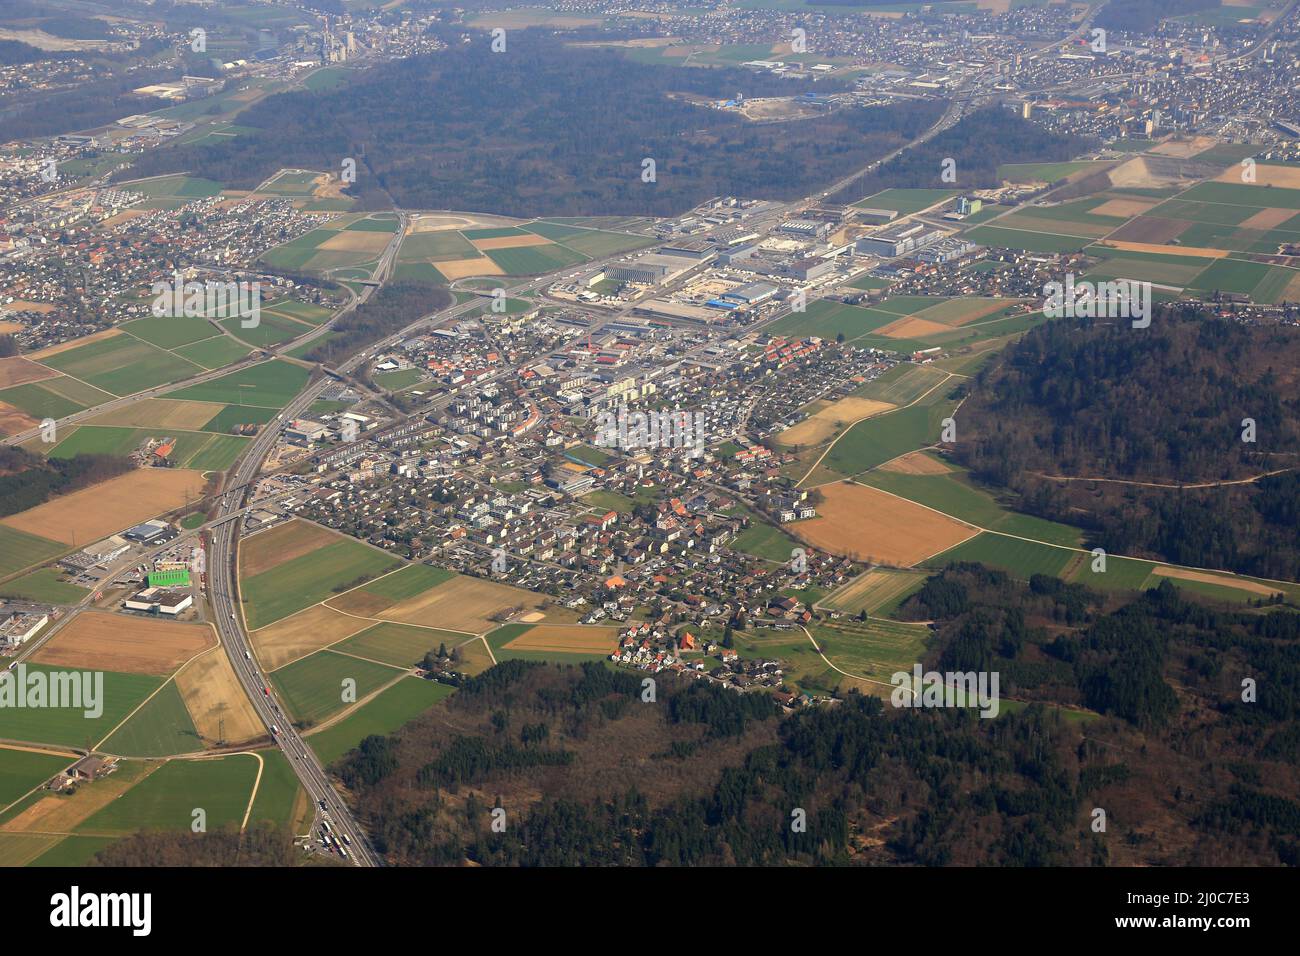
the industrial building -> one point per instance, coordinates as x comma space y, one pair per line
899, 240
155, 600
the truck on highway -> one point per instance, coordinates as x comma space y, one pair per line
274, 730
247, 656
232, 615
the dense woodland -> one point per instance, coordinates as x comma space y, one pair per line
260, 845
1143, 16
396, 305
27, 480
1084, 398
978, 144
546, 129
590, 774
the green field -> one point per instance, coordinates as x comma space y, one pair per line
39, 401
161, 728
888, 589
906, 201
279, 793
23, 770
122, 364
408, 582
178, 186
215, 352
1040, 172
69, 725
877, 440
271, 329
72, 850
902, 384
1263, 283
271, 385
874, 649
439, 246
954, 495
828, 319
168, 797
43, 586
169, 332
312, 687
231, 415
1021, 559
309, 579
763, 540
1022, 239
388, 711
19, 550
534, 260
596, 244
401, 645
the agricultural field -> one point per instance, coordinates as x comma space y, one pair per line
70, 725
281, 799
950, 491
304, 633
19, 549
902, 384
313, 687
828, 421
160, 728
215, 701
878, 592
96, 640
1019, 558
167, 798
120, 364
875, 441
384, 713
383, 593
354, 246
907, 201
400, 645
269, 385
553, 642
309, 579
108, 507
860, 522
45, 586
463, 603
22, 770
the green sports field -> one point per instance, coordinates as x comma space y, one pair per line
310, 579
312, 687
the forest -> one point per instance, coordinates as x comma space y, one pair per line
27, 480
396, 305
552, 130
588, 773
1143, 16
978, 144
1158, 411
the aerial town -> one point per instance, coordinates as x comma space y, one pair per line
749, 399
